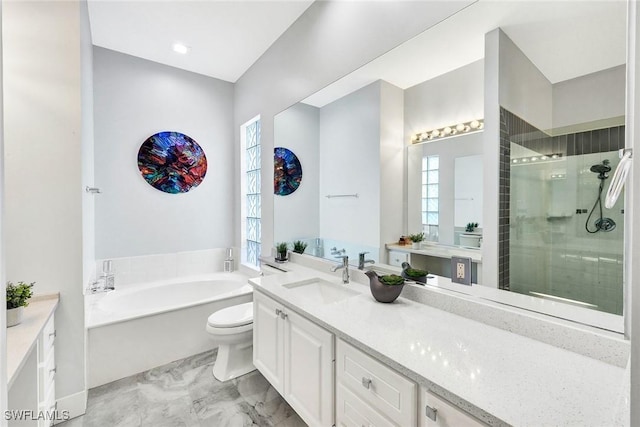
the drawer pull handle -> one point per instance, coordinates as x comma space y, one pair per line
366, 382
53, 371
431, 413
278, 312
284, 315
52, 334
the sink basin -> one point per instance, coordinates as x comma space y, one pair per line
321, 291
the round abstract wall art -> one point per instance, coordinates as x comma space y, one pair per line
287, 171
172, 162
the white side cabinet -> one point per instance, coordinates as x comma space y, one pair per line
297, 357
436, 412
47, 371
370, 393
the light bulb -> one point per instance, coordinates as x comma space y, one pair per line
435, 133
474, 124
460, 127
447, 130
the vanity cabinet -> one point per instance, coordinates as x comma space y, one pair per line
437, 412
369, 393
297, 357
47, 371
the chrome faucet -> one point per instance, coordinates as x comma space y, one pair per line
362, 262
338, 252
345, 268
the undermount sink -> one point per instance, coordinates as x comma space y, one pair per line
321, 291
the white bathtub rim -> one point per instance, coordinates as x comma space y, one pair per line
95, 317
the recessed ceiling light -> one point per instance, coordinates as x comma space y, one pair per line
180, 48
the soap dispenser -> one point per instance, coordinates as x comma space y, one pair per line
228, 262
108, 275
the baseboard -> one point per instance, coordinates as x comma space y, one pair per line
74, 404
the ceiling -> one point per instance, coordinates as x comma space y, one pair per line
564, 39
225, 37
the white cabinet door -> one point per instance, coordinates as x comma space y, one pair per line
308, 364
437, 412
268, 343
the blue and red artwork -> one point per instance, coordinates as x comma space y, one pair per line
172, 162
287, 172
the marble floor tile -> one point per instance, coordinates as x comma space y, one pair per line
184, 393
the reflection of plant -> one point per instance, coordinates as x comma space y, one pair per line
471, 227
414, 273
281, 249
392, 280
416, 238
18, 295
299, 246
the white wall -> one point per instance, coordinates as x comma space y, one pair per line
3, 316
296, 216
455, 97
589, 98
392, 159
350, 164
330, 40
524, 90
43, 218
134, 99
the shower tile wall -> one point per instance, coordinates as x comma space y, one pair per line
549, 249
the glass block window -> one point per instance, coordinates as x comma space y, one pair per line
250, 185
430, 192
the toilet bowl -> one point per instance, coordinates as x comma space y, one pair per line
232, 329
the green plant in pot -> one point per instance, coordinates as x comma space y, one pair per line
281, 252
471, 227
416, 239
17, 299
385, 288
299, 246
414, 274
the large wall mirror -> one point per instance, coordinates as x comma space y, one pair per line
561, 86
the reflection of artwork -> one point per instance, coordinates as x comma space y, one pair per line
172, 162
287, 172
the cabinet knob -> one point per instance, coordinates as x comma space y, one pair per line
283, 315
431, 413
366, 382
278, 312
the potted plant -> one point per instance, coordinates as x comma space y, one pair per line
299, 246
281, 252
385, 288
414, 274
416, 239
17, 299
471, 227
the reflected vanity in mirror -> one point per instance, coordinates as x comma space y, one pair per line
561, 104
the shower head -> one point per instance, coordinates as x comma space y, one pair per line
601, 169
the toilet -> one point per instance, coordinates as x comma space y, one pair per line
232, 329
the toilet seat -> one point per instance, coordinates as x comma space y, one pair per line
232, 317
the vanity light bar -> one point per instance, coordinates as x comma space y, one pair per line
448, 131
539, 158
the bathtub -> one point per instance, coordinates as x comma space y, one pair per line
142, 326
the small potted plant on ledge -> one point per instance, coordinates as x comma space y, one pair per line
17, 299
281, 252
416, 239
471, 227
299, 246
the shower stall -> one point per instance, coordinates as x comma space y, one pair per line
559, 242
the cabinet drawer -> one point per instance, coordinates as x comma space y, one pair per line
396, 258
437, 412
351, 411
393, 395
48, 407
46, 340
46, 377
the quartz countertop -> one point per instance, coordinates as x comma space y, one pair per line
498, 376
21, 339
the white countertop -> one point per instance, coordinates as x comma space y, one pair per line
439, 251
21, 338
518, 380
